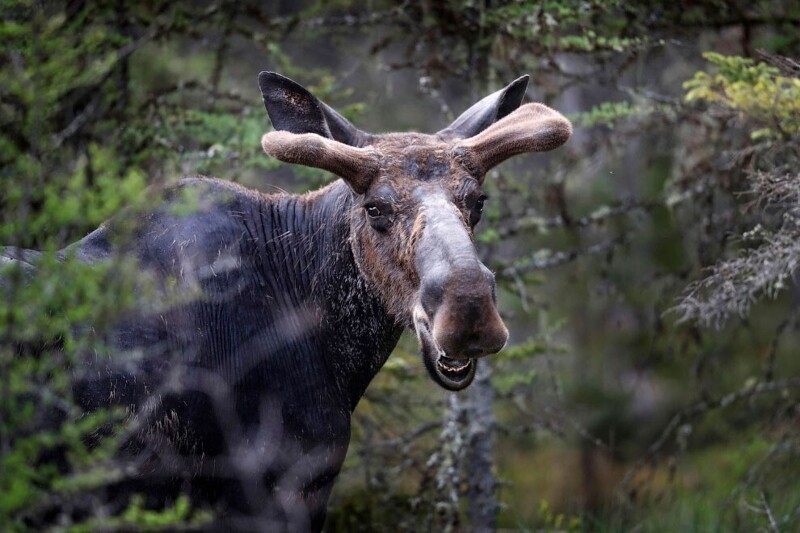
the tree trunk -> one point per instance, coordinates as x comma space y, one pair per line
481, 482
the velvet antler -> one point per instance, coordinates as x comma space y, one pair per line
531, 128
357, 166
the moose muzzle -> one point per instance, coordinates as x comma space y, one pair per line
456, 316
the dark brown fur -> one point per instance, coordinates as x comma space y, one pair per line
409, 161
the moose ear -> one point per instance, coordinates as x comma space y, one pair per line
292, 108
531, 128
487, 111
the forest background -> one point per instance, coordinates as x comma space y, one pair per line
646, 269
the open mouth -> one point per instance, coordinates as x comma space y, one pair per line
455, 369
452, 373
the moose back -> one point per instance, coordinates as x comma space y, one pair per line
288, 305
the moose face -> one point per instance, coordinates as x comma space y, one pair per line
419, 198
412, 235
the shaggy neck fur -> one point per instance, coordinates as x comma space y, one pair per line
261, 362
307, 240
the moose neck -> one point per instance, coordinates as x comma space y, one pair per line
354, 334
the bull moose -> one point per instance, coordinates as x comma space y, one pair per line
290, 304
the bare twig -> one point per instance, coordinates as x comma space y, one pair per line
622, 207
122, 54
404, 439
787, 65
773, 524
701, 408
559, 258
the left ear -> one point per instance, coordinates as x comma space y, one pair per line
487, 111
531, 128
291, 107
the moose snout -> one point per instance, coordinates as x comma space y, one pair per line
464, 318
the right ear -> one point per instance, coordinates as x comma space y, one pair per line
487, 111
292, 108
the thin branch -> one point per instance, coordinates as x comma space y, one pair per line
769, 370
599, 216
773, 524
701, 408
560, 258
404, 439
76, 124
121, 55
787, 65
553, 424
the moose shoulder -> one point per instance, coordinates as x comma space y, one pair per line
289, 305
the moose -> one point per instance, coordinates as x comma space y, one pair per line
289, 305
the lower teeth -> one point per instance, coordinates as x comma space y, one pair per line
454, 367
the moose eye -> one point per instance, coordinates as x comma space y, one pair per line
477, 210
379, 215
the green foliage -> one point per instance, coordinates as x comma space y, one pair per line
607, 113
554, 521
766, 100
568, 26
76, 148
27, 483
767, 105
137, 518
363, 510
488, 236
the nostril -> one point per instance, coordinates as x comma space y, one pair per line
431, 295
473, 351
499, 345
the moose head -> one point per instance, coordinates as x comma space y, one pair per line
418, 198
